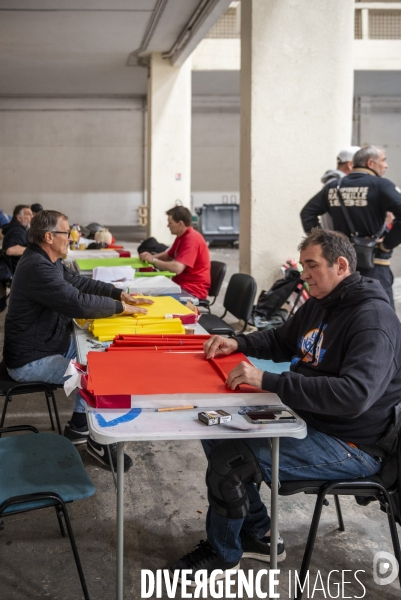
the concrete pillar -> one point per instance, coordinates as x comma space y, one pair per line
169, 142
296, 114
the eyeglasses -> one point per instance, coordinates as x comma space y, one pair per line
67, 233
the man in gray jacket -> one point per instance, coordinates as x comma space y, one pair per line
45, 297
344, 167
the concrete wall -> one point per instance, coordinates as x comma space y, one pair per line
86, 158
378, 121
215, 158
83, 157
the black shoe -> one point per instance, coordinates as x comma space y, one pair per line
203, 557
101, 453
76, 435
260, 549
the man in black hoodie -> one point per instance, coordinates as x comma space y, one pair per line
344, 345
16, 235
368, 197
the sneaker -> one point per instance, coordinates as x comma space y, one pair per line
203, 557
260, 549
76, 435
101, 453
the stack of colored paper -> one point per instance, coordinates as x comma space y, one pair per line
105, 331
156, 321
158, 343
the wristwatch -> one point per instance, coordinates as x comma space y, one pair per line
154, 260
124, 306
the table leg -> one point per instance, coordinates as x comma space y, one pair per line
274, 503
120, 520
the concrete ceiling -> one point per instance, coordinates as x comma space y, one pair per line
94, 47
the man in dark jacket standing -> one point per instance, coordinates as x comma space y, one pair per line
16, 235
344, 345
367, 197
45, 297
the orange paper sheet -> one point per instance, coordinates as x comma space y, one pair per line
136, 373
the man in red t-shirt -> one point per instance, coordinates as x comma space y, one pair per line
188, 257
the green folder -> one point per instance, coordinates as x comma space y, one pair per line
88, 264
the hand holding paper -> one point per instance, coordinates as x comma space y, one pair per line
219, 346
133, 310
146, 256
135, 300
245, 373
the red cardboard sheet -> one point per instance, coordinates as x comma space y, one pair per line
158, 343
136, 373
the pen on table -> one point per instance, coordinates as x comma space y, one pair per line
175, 408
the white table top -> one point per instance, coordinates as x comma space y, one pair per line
108, 426
74, 254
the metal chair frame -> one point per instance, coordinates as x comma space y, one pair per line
217, 273
231, 305
59, 505
365, 487
10, 388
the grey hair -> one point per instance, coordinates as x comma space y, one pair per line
46, 220
333, 243
18, 210
365, 154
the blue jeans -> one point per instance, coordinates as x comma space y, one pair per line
318, 456
50, 369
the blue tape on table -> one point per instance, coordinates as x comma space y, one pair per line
269, 365
129, 416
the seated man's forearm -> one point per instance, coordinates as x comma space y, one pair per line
173, 266
15, 250
163, 256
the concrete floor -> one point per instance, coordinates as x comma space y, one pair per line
165, 509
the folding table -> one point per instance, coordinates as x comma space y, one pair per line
108, 426
134, 425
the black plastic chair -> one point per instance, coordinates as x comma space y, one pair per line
217, 274
371, 487
42, 470
238, 300
10, 388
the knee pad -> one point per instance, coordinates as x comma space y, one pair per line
231, 464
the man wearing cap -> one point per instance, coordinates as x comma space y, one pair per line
368, 197
344, 167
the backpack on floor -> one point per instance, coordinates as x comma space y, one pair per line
268, 311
